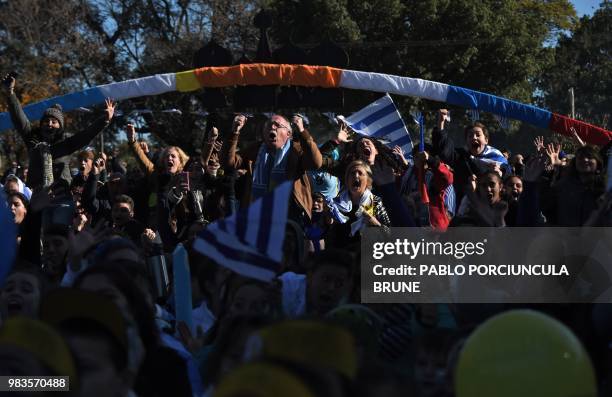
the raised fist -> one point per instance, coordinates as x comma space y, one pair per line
131, 133
239, 122
8, 84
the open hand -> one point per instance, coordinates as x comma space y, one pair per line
538, 142
110, 109
343, 133
400, 153
552, 151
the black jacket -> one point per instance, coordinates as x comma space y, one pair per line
458, 159
60, 149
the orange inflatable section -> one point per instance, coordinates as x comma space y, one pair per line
269, 74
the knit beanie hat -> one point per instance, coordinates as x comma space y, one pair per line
55, 111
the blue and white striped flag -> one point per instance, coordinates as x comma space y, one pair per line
491, 155
250, 242
381, 119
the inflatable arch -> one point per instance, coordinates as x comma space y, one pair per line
318, 76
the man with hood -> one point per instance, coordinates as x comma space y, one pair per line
48, 150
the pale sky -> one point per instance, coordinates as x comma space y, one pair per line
586, 6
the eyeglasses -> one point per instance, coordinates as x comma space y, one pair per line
276, 124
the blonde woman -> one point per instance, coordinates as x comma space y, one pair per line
165, 184
356, 207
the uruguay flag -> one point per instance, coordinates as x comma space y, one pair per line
250, 242
491, 155
381, 119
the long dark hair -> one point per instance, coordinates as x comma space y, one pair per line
385, 155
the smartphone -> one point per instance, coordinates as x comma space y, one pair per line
184, 179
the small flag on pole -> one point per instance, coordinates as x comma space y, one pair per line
250, 242
381, 119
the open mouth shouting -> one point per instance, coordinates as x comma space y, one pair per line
475, 146
14, 305
357, 184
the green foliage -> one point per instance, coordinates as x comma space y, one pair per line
583, 61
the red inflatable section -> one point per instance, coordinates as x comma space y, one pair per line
589, 133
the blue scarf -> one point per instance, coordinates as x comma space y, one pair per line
270, 170
342, 204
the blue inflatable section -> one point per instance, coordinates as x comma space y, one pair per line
89, 97
504, 107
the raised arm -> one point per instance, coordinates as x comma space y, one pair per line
529, 200
231, 159
20, 120
141, 156
77, 141
443, 145
210, 145
311, 157
330, 164
443, 176
89, 197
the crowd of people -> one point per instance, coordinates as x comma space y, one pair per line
90, 293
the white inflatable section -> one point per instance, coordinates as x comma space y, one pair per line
151, 85
394, 85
